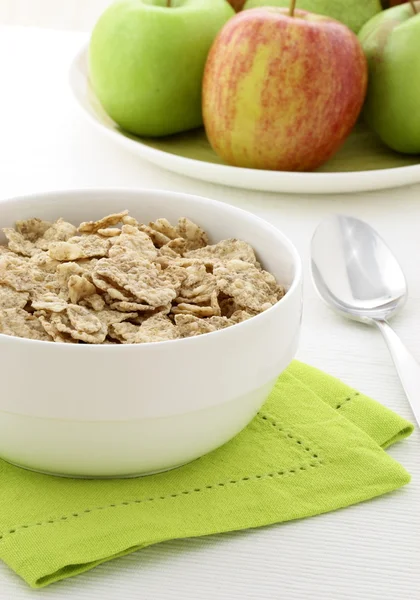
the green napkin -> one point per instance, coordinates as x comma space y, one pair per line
315, 446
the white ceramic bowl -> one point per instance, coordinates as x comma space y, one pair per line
114, 411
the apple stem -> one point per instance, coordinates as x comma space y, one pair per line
292, 8
168, 3
413, 7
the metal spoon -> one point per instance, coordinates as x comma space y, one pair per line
356, 273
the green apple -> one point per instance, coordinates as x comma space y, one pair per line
353, 13
391, 42
147, 58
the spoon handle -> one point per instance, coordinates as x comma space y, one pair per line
407, 367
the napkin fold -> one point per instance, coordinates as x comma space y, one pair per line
315, 446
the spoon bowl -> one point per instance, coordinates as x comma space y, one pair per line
354, 270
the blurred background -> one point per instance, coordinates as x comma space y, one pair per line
78, 15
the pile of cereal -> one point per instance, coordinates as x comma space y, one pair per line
117, 281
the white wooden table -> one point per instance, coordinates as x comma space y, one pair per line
366, 552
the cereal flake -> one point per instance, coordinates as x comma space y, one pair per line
248, 286
190, 325
225, 251
10, 298
157, 328
108, 221
19, 323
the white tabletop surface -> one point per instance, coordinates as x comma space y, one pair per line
366, 552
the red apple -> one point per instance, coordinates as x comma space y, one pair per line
282, 91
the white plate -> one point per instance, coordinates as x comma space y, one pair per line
363, 163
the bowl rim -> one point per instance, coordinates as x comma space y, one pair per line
61, 194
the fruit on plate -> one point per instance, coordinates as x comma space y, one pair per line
391, 41
282, 89
353, 13
237, 4
146, 60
